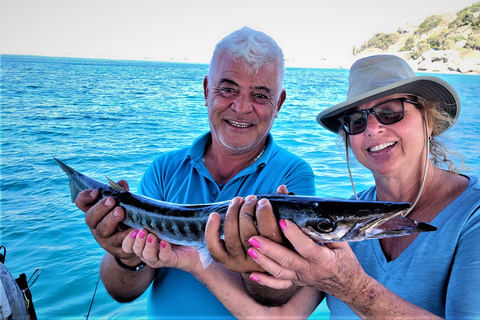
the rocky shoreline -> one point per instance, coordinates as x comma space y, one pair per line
439, 61
447, 61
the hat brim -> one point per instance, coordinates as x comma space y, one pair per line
427, 87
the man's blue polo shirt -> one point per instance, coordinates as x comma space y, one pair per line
181, 177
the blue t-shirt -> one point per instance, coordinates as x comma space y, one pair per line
439, 271
181, 177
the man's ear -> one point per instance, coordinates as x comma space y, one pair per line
281, 100
205, 89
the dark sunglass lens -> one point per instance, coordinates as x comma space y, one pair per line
390, 112
357, 122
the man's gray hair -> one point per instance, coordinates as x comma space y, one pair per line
251, 47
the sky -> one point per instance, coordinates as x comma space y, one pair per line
187, 30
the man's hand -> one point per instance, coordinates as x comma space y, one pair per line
231, 252
104, 219
243, 220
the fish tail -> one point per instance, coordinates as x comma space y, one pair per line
74, 191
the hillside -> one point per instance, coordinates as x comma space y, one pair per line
441, 43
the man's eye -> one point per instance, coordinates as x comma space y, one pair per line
260, 96
228, 91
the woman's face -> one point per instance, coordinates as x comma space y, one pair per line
391, 149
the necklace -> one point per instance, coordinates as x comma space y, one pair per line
256, 157
249, 163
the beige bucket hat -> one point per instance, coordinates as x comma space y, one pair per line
378, 76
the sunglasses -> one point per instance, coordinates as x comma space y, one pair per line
387, 112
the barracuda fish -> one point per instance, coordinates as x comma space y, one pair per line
322, 219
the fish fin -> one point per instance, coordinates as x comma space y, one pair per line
115, 185
205, 256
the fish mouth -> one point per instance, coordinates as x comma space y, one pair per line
390, 225
402, 225
238, 124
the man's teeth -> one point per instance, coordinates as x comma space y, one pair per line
382, 146
239, 124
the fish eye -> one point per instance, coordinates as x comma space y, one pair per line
324, 224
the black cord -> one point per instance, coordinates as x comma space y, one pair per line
93, 298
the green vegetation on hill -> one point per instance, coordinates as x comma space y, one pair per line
467, 16
428, 24
455, 31
381, 41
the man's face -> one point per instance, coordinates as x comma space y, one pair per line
242, 106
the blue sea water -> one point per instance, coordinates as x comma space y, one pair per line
112, 118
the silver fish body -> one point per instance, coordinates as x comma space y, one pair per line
322, 219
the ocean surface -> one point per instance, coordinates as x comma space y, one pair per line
112, 118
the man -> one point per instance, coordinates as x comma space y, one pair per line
244, 94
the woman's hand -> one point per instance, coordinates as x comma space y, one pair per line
331, 268
160, 253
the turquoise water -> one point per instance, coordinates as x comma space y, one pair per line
112, 118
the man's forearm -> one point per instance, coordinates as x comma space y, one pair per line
267, 296
124, 285
230, 290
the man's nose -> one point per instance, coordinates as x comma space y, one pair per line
242, 104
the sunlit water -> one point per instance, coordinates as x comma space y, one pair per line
112, 118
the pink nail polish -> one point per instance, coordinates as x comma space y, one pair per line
149, 239
134, 234
163, 244
254, 278
141, 234
283, 224
254, 243
252, 254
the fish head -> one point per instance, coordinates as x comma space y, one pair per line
352, 220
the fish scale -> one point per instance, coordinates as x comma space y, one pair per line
322, 219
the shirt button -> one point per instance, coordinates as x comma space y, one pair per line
214, 191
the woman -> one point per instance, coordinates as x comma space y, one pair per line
391, 121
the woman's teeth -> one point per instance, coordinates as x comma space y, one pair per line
381, 146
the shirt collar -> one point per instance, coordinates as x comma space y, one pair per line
197, 149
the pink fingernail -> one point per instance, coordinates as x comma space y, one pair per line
254, 243
163, 244
252, 254
149, 239
141, 234
115, 213
254, 278
283, 224
134, 234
